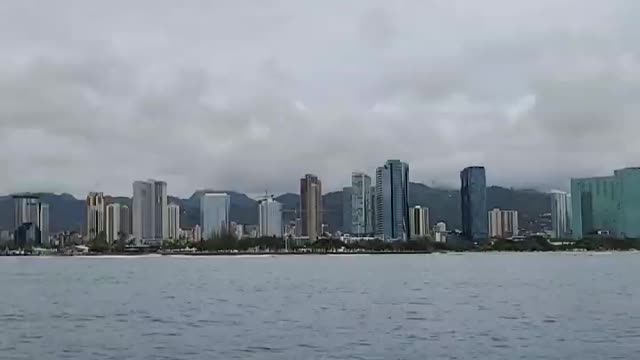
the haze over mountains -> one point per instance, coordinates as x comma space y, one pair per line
68, 213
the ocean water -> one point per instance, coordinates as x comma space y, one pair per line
468, 306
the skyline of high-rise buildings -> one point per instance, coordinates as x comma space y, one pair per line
214, 214
392, 200
473, 203
311, 206
150, 217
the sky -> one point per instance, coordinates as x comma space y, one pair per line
250, 95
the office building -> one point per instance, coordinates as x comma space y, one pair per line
214, 214
95, 215
473, 195
392, 200
174, 221
347, 196
607, 205
125, 220
269, 218
361, 204
150, 214
418, 222
31, 221
311, 206
112, 223
560, 210
503, 224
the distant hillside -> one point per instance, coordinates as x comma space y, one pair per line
68, 213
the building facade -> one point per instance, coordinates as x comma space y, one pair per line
419, 222
174, 221
214, 214
269, 218
31, 221
112, 223
607, 205
473, 196
125, 220
503, 224
150, 214
560, 214
392, 200
361, 204
95, 215
311, 206
347, 197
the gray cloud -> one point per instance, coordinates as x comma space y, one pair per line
250, 95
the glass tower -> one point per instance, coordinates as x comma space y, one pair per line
392, 200
473, 195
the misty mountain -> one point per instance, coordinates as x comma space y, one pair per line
68, 213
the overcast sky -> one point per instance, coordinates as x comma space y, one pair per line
250, 95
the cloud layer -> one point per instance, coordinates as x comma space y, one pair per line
250, 95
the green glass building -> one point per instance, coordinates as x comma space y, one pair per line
609, 204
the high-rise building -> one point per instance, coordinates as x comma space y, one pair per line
174, 221
269, 218
311, 206
113, 224
31, 221
392, 200
473, 195
125, 220
214, 214
560, 205
43, 224
361, 204
607, 205
196, 233
347, 196
503, 224
95, 215
150, 214
419, 222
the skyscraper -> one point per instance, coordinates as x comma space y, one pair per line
31, 221
150, 212
125, 220
560, 206
503, 224
419, 222
347, 197
214, 214
361, 204
269, 218
608, 204
174, 221
473, 195
392, 200
112, 221
95, 215
311, 206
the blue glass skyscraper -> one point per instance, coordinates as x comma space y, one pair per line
473, 195
392, 200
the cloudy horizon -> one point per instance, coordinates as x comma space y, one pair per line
251, 95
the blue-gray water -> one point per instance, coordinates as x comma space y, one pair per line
471, 306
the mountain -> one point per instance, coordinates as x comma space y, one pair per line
68, 213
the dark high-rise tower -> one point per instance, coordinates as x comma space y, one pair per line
311, 206
392, 200
473, 195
